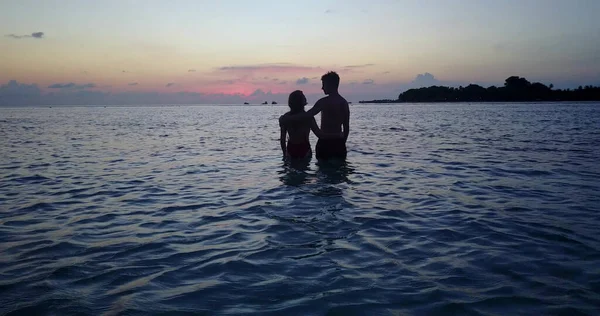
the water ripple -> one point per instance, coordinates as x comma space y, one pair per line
480, 209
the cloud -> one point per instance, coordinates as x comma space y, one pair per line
268, 68
275, 79
224, 89
314, 78
17, 94
359, 66
170, 84
191, 70
329, 11
302, 80
71, 85
61, 85
14, 93
227, 81
427, 80
261, 93
385, 72
356, 68
14, 88
424, 80
37, 35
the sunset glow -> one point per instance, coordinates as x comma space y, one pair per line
237, 50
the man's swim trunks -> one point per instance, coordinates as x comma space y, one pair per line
331, 148
301, 150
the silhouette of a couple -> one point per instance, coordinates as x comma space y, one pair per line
297, 123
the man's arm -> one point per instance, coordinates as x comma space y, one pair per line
346, 122
316, 109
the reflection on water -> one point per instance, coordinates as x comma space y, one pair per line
324, 174
334, 172
296, 172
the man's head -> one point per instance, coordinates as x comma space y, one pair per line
331, 82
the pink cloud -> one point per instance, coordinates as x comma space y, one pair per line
238, 82
274, 77
246, 79
15, 93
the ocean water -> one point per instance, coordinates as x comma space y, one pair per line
471, 209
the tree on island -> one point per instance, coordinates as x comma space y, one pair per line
515, 89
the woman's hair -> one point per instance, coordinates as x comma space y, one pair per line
296, 101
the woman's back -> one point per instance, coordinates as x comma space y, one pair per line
298, 132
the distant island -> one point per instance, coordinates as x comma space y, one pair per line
264, 103
515, 89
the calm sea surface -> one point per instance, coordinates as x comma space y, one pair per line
477, 209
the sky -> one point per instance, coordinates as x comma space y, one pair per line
228, 51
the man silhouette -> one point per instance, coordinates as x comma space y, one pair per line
335, 119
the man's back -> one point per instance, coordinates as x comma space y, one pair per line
335, 112
335, 117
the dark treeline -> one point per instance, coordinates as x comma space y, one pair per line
515, 89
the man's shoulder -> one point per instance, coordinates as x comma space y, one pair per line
341, 99
334, 99
323, 100
346, 104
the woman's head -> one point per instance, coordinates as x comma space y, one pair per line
297, 101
